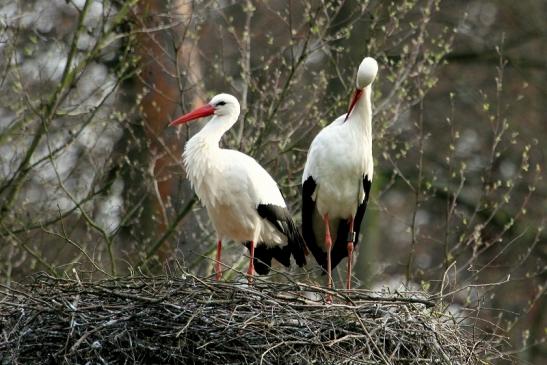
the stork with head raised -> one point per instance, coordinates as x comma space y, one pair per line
337, 179
241, 198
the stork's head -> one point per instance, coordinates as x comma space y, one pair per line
220, 105
365, 76
367, 72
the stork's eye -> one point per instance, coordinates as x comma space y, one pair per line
220, 103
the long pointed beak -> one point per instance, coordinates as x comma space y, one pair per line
200, 112
356, 97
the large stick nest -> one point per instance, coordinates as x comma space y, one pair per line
191, 320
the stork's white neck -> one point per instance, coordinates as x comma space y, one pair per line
213, 131
361, 115
202, 151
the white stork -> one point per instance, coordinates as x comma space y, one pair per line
242, 199
337, 179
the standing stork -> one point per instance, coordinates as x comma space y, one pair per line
241, 198
337, 179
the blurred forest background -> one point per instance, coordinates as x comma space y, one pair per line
91, 181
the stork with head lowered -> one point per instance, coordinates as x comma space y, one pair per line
337, 179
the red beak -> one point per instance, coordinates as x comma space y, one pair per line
356, 97
200, 112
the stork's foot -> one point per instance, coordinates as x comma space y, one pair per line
350, 263
250, 272
218, 270
351, 238
328, 246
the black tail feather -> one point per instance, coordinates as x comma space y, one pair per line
264, 254
262, 260
296, 243
308, 209
339, 248
281, 219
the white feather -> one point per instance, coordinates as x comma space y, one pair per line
341, 154
231, 184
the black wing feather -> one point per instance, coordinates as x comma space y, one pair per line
308, 209
281, 219
339, 249
263, 256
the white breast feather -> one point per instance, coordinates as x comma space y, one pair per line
231, 185
337, 160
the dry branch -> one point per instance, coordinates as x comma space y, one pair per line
186, 319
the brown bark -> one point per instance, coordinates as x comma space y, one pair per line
159, 51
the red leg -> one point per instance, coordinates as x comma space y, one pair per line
351, 239
328, 246
218, 271
251, 264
